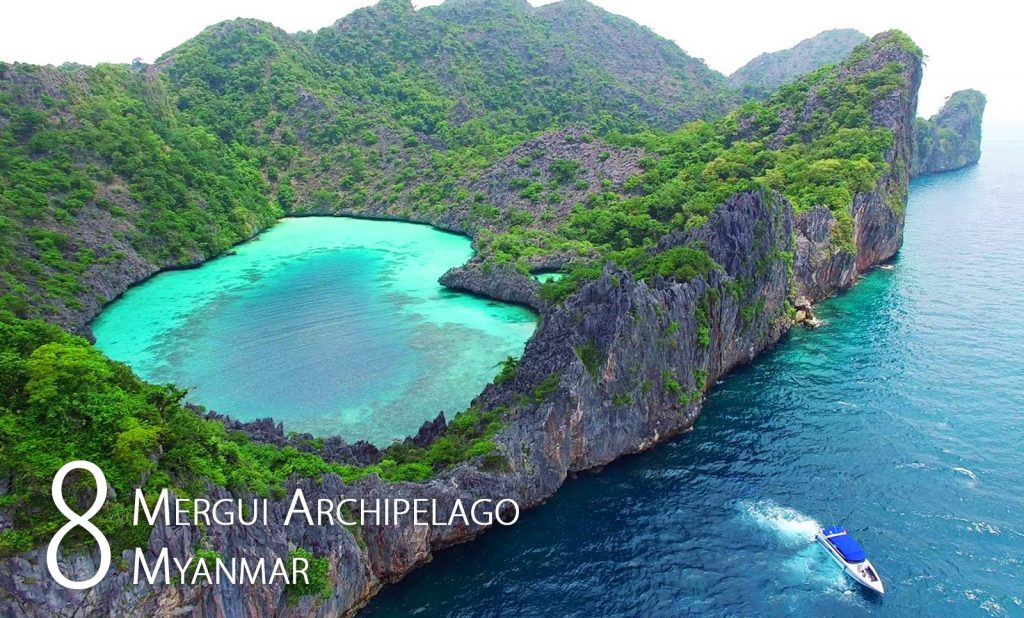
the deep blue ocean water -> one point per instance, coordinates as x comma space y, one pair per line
902, 418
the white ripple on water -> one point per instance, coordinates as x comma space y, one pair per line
793, 529
788, 525
985, 528
810, 565
914, 465
966, 472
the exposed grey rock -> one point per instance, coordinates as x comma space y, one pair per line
821, 269
428, 432
505, 284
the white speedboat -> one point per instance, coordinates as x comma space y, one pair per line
850, 555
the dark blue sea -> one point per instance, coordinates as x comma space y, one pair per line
902, 418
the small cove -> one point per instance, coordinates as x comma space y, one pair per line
331, 325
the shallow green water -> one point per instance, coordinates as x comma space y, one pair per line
331, 325
545, 277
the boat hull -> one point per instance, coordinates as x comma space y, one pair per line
864, 573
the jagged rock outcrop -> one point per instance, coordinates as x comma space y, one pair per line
428, 432
772, 69
332, 448
501, 283
824, 264
950, 139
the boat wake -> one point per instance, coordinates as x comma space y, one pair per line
806, 563
788, 526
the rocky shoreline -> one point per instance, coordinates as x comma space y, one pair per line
624, 365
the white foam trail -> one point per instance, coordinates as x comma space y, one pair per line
788, 525
808, 564
811, 565
966, 472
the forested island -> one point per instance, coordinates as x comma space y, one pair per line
951, 139
693, 222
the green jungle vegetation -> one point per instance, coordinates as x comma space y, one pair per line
942, 138
823, 160
389, 107
177, 161
113, 149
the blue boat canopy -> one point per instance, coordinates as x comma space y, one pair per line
848, 548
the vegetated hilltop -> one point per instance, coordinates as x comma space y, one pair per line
689, 260
110, 173
390, 108
818, 141
103, 181
950, 139
770, 70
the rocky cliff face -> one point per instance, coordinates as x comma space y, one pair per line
617, 368
824, 266
950, 139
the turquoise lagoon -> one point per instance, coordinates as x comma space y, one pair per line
330, 325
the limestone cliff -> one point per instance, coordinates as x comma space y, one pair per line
823, 266
950, 139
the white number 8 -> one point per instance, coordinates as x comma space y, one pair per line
75, 520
